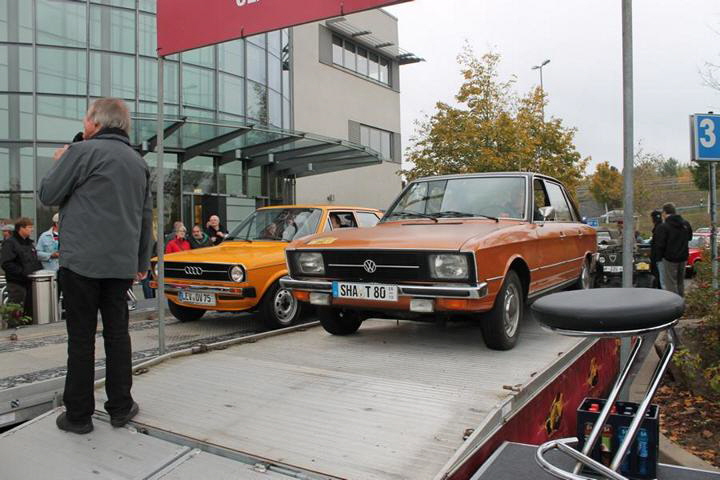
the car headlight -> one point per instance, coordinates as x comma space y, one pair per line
448, 266
601, 259
237, 274
311, 263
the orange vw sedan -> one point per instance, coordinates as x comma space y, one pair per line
242, 273
480, 245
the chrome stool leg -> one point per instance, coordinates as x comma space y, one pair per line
583, 458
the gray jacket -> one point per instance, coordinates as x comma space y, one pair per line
102, 187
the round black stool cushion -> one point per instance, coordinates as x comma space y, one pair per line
609, 309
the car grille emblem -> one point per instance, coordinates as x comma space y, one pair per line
190, 270
369, 266
613, 257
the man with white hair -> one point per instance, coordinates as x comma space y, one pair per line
47, 246
102, 187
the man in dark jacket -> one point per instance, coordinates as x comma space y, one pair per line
199, 239
656, 217
102, 187
19, 259
671, 240
215, 230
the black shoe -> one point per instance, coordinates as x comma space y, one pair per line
121, 420
63, 423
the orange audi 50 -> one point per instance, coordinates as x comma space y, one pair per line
242, 272
462, 244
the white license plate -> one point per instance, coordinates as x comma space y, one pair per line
365, 291
196, 298
614, 268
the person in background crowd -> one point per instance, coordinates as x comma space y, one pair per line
656, 217
7, 228
215, 230
19, 259
169, 236
179, 243
672, 238
199, 239
48, 246
102, 187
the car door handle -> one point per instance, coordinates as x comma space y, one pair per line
562, 234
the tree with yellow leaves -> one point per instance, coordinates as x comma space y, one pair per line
606, 186
493, 130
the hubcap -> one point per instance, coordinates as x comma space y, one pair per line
284, 306
511, 310
585, 276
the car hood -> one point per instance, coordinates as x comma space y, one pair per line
250, 255
450, 234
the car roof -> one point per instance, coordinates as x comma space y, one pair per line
324, 207
530, 175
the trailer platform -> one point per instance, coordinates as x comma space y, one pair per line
401, 400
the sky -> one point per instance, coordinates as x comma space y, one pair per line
672, 40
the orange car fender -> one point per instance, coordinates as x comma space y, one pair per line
266, 277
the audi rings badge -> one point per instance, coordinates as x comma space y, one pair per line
191, 270
369, 266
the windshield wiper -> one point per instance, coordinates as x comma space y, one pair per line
231, 239
454, 213
415, 214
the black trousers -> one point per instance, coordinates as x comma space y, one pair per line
83, 298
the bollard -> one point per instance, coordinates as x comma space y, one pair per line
45, 297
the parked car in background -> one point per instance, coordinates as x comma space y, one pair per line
699, 242
478, 245
606, 237
610, 266
242, 272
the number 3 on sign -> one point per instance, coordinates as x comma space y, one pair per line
708, 138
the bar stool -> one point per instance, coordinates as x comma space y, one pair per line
609, 312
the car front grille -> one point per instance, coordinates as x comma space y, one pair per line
198, 271
389, 266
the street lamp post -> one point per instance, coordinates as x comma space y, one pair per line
540, 67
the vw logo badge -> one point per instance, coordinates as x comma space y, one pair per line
369, 266
190, 270
613, 257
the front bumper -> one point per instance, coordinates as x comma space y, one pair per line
473, 292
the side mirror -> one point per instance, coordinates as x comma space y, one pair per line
546, 212
584, 220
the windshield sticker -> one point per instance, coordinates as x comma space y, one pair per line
322, 241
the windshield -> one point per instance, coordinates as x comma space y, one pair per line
697, 242
490, 197
280, 224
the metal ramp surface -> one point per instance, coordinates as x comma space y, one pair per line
390, 402
40, 450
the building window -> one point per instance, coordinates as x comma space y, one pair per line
358, 59
378, 140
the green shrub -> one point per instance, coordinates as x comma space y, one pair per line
699, 359
13, 315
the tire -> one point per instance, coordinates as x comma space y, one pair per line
501, 325
339, 322
586, 280
278, 308
185, 314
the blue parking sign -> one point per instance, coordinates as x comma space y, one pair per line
705, 137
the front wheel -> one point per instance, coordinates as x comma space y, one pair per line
339, 322
279, 309
185, 314
501, 324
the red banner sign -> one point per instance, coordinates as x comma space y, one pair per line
187, 24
